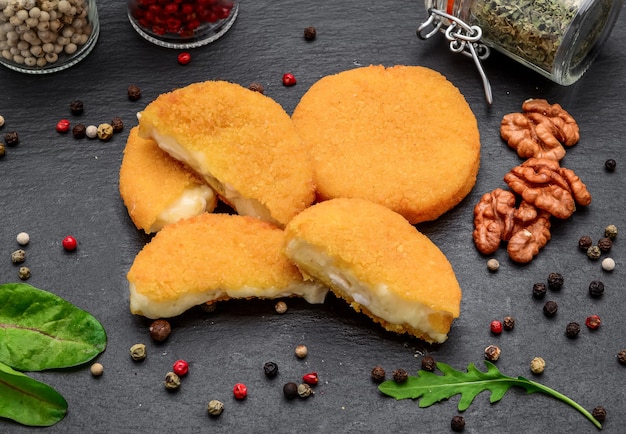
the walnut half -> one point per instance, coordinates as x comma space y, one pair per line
540, 131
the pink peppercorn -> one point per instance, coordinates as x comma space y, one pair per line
593, 322
240, 391
63, 126
181, 368
496, 327
311, 378
289, 79
69, 243
184, 58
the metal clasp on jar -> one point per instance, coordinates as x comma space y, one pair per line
464, 39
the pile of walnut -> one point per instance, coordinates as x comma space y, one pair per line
541, 186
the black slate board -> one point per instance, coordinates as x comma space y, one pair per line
52, 185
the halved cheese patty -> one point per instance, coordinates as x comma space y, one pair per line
214, 257
379, 263
403, 137
158, 190
241, 142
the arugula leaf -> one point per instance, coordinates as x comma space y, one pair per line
39, 330
29, 401
432, 388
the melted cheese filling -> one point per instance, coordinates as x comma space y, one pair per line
312, 292
379, 299
193, 201
197, 162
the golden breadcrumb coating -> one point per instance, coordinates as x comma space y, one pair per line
242, 142
377, 261
153, 185
213, 257
403, 137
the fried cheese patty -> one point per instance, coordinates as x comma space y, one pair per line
158, 190
403, 137
212, 257
379, 263
241, 142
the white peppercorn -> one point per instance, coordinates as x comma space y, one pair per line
493, 264
608, 264
91, 131
96, 369
24, 273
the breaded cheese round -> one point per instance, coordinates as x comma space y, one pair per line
379, 263
241, 142
213, 257
403, 137
157, 189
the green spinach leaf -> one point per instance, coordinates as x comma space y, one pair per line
39, 330
29, 401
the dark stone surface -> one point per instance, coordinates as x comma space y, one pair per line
52, 185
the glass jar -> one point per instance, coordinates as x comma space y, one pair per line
40, 36
557, 38
184, 23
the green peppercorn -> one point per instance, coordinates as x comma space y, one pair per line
572, 330
378, 374
610, 231
585, 242
594, 252
537, 365
104, 131
215, 407
270, 369
18, 256
3, 150
290, 390
596, 288
550, 308
400, 375
605, 244
555, 281
539, 290
138, 352
172, 381
23, 273
457, 424
429, 364
492, 353
304, 390
599, 413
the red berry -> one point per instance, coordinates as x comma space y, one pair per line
240, 391
181, 368
184, 58
289, 79
63, 126
69, 243
496, 327
311, 378
593, 322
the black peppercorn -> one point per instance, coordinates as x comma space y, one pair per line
310, 33
605, 244
550, 308
378, 374
79, 131
621, 356
160, 330
134, 93
572, 330
270, 369
457, 423
77, 107
11, 138
610, 165
509, 323
599, 413
539, 290
257, 87
429, 364
585, 242
290, 390
400, 375
117, 124
596, 288
555, 281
